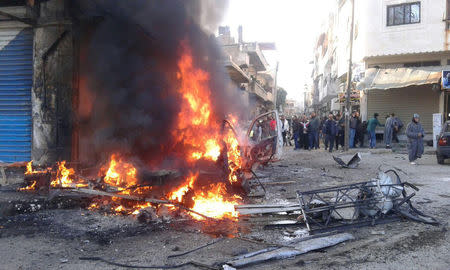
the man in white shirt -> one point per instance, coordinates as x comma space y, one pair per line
284, 129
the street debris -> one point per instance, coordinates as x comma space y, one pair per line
351, 164
277, 253
250, 209
197, 248
192, 263
379, 200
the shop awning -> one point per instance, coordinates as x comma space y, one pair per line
379, 78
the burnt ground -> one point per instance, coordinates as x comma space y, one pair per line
56, 237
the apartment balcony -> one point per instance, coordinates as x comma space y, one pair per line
259, 91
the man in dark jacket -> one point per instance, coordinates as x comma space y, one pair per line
340, 139
398, 125
314, 123
415, 134
353, 126
296, 132
329, 130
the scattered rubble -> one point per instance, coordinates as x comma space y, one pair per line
276, 253
351, 164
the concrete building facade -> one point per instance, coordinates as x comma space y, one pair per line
249, 69
400, 49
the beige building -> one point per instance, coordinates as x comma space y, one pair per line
400, 49
248, 69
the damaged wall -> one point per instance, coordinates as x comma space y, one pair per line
52, 84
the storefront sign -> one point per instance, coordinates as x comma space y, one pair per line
355, 97
445, 79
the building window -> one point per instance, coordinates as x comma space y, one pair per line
407, 13
8, 3
423, 64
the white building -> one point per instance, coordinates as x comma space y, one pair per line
400, 49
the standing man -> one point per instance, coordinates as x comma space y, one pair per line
329, 130
353, 126
313, 131
284, 129
296, 132
304, 139
371, 126
388, 131
273, 126
415, 134
360, 131
321, 136
362, 134
340, 131
398, 125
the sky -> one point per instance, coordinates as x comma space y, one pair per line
293, 25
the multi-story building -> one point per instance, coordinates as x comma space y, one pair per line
405, 51
400, 49
249, 70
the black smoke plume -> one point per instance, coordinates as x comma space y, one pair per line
129, 57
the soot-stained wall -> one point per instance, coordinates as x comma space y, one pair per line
53, 87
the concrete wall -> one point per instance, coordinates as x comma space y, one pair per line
379, 39
52, 85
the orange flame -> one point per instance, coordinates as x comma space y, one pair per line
30, 169
120, 173
64, 176
212, 203
196, 127
178, 194
30, 187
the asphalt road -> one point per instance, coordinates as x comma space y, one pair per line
56, 239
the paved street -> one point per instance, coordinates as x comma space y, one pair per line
62, 236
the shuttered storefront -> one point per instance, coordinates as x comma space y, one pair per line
404, 102
16, 70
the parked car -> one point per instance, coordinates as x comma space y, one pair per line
443, 145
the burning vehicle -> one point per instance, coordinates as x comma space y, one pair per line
157, 121
210, 189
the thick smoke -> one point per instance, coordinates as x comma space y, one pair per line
128, 74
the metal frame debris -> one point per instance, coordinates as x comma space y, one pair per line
359, 204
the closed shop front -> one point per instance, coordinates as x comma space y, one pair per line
404, 102
16, 73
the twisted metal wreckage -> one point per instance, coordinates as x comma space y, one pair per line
377, 201
380, 200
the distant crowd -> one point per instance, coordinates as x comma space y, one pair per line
308, 132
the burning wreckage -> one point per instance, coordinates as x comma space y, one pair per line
211, 190
213, 179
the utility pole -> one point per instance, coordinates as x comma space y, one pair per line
349, 82
275, 89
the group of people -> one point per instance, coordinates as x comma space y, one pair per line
307, 131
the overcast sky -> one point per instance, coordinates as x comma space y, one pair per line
292, 24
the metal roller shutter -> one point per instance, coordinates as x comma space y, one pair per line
404, 102
16, 73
